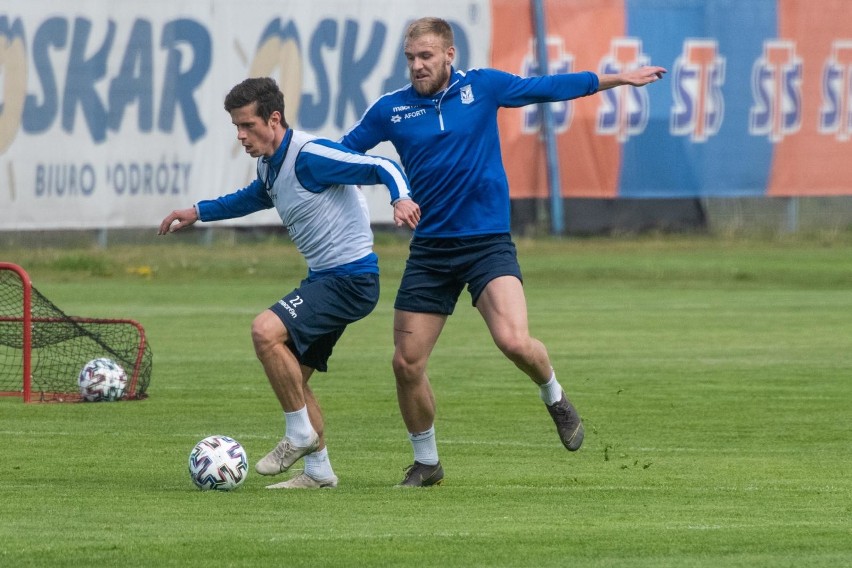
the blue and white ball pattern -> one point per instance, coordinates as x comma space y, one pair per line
218, 462
102, 379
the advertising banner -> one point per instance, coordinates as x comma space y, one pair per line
111, 112
756, 101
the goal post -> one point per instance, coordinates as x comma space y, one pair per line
42, 349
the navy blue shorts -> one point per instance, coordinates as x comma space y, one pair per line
438, 269
316, 313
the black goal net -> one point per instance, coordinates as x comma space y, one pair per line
43, 350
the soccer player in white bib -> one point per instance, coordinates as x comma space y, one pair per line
311, 182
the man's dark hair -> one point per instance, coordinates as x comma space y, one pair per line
262, 90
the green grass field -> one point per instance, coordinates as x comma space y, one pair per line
714, 377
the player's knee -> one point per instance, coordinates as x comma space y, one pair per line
515, 347
265, 333
405, 368
258, 336
400, 366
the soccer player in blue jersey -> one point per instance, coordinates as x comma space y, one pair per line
310, 182
444, 128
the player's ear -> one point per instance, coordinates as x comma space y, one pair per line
451, 54
274, 118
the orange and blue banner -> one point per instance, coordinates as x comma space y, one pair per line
757, 101
111, 112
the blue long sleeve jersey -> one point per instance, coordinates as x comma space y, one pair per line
449, 144
311, 183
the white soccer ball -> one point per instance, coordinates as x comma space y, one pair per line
102, 380
218, 462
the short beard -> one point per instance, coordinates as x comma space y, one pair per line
433, 87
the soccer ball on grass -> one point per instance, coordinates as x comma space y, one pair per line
218, 462
102, 380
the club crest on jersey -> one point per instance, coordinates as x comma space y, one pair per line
467, 94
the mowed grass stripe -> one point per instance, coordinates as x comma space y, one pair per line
713, 376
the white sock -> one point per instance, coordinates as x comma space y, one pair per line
425, 447
318, 466
551, 391
299, 428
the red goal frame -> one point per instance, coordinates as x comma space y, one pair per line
28, 320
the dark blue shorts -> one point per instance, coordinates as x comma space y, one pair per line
438, 269
316, 313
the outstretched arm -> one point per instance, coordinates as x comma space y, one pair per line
637, 78
245, 201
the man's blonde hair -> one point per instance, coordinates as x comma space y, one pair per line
424, 26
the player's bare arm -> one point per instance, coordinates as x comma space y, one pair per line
636, 78
184, 218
